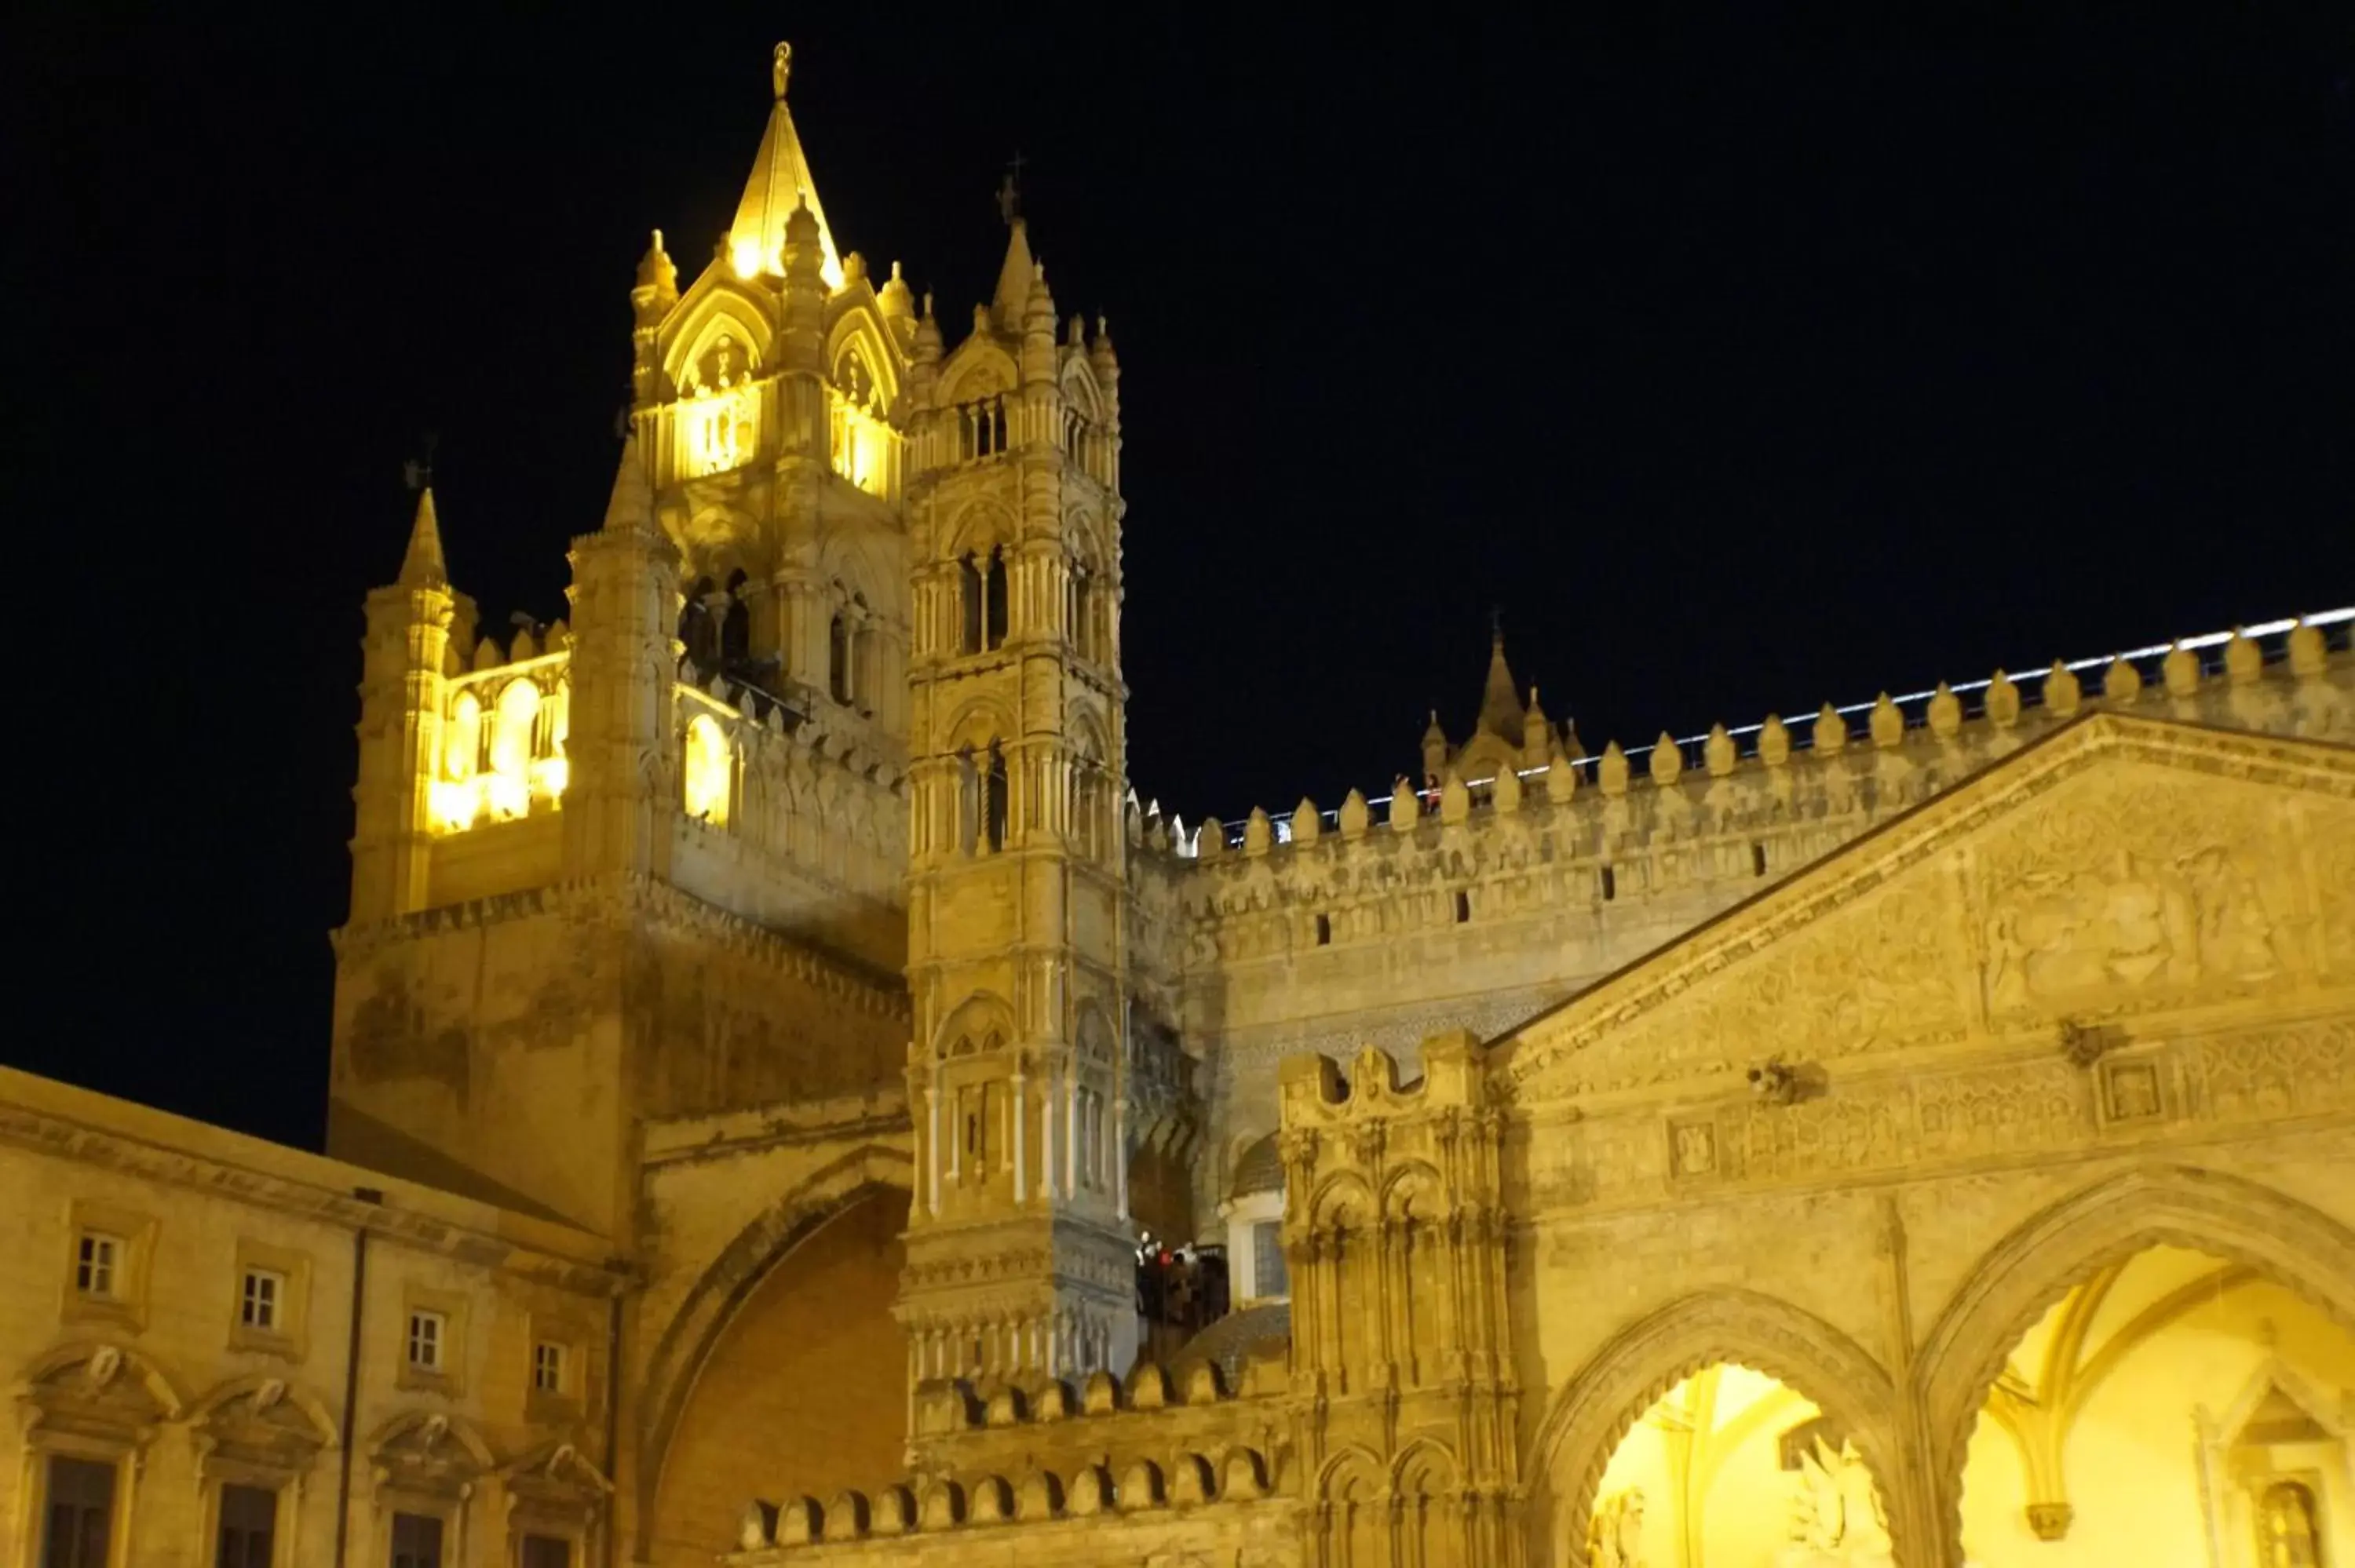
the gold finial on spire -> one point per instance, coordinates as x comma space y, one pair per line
780, 68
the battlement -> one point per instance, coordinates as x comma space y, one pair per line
1055, 1453
1731, 805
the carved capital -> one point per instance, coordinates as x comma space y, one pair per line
2050, 1520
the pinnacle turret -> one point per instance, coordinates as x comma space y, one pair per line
1500, 701
422, 565
780, 185
1014, 275
631, 509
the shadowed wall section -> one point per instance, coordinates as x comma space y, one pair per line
807, 1391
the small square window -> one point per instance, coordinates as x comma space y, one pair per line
98, 1262
547, 1367
426, 1334
261, 1298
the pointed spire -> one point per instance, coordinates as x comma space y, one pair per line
779, 183
1500, 703
631, 508
1013, 280
896, 300
658, 286
422, 565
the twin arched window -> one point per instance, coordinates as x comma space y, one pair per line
981, 600
981, 801
981, 428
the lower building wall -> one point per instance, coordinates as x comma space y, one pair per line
151, 1373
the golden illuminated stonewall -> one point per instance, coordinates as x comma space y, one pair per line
1916, 1132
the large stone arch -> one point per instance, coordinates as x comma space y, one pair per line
1585, 1421
712, 1303
2226, 1216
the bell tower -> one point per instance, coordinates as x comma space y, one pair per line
1020, 1257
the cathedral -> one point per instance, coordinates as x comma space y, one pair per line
797, 1099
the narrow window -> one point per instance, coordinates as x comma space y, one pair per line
98, 1260
545, 1552
993, 632
968, 801
964, 434
1268, 1275
1757, 860
1610, 885
259, 1297
837, 658
1463, 908
1323, 930
428, 1333
249, 1519
416, 1540
547, 1367
969, 604
993, 803
79, 1514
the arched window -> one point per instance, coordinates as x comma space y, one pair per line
992, 629
513, 732
969, 604
705, 777
968, 801
837, 658
462, 749
993, 801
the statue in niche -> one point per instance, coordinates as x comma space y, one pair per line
1836, 1520
1615, 1538
725, 364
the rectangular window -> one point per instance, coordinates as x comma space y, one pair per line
259, 1298
545, 1552
98, 1262
249, 1519
1268, 1276
79, 1514
427, 1332
416, 1540
547, 1367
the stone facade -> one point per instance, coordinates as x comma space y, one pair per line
769, 975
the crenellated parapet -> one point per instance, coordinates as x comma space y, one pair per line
506, 715
1396, 1235
1063, 1472
1731, 806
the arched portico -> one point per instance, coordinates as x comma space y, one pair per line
1586, 1420
2096, 1228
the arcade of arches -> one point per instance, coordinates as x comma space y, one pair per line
2172, 1410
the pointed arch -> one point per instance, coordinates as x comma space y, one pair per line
980, 368
1584, 1425
712, 1303
2224, 1217
859, 329
715, 305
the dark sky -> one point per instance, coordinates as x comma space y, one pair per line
1741, 366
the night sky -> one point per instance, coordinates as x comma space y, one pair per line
1741, 367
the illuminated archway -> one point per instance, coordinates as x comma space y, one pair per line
1734, 1466
1653, 1358
2228, 1218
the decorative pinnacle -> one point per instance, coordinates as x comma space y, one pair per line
780, 68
